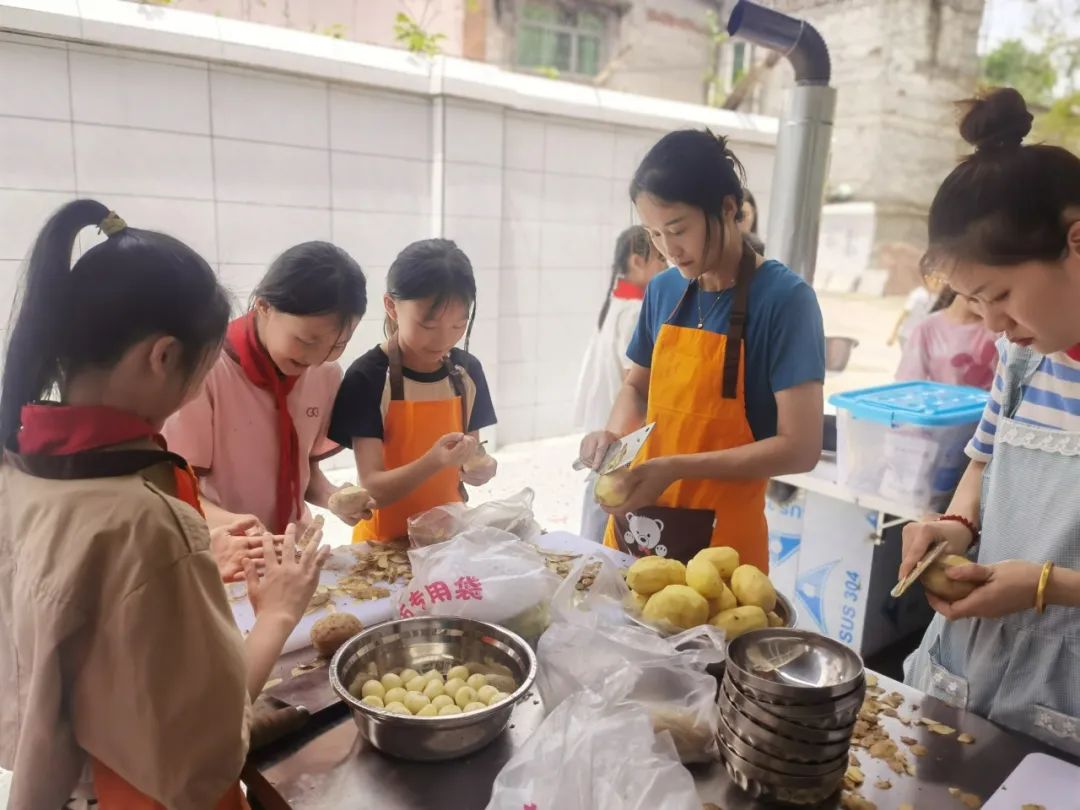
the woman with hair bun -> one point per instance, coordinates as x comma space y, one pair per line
1004, 230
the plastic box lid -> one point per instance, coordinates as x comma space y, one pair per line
925, 404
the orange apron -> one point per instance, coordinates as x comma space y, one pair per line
694, 415
410, 429
113, 793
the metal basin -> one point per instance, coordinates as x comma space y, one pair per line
432, 643
785, 748
796, 667
761, 783
771, 762
767, 720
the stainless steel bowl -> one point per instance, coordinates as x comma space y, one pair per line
830, 714
760, 783
794, 666
784, 609
795, 731
432, 643
772, 762
784, 748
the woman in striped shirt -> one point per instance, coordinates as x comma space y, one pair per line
1004, 229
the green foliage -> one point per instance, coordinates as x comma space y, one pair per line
548, 72
411, 35
1060, 125
336, 31
1012, 64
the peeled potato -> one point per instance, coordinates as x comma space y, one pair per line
651, 575
452, 685
391, 680
486, 693
702, 576
433, 675
679, 605
416, 684
428, 711
433, 689
451, 709
373, 700
330, 632
774, 619
395, 695
397, 708
372, 688
458, 672
441, 701
498, 697
475, 706
752, 587
636, 601
725, 558
415, 701
407, 675
740, 620
464, 696
476, 681
935, 580
349, 499
611, 490
504, 683
726, 601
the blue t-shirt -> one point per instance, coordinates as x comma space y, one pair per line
785, 340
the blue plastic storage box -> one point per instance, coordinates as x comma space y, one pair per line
905, 441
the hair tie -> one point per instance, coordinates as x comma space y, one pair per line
112, 224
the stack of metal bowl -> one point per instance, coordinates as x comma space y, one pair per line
788, 704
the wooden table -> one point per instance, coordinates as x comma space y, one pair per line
330, 766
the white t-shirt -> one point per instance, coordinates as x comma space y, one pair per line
605, 365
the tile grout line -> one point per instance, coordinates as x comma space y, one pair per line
213, 171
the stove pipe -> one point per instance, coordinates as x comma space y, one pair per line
802, 145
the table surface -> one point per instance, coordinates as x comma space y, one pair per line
331, 766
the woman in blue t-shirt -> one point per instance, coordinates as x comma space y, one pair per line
728, 360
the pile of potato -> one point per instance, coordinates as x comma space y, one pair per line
431, 694
713, 588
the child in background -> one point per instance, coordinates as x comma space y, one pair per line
118, 649
604, 368
952, 345
411, 408
749, 222
917, 307
257, 430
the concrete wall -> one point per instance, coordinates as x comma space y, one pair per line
243, 139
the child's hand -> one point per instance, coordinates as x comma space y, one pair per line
352, 504
453, 450
286, 586
231, 545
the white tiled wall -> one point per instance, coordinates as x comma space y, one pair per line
242, 163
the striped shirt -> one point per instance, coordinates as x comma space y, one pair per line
1051, 399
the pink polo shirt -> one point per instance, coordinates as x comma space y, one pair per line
228, 434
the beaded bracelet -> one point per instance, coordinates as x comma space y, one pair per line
966, 523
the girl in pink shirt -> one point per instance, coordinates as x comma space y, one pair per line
257, 431
952, 345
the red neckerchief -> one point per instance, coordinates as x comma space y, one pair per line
65, 430
626, 291
262, 373
1074, 352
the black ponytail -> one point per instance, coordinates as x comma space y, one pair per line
437, 269
634, 241
133, 285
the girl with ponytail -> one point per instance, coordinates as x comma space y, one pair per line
606, 364
118, 649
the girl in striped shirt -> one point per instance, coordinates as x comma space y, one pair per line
1004, 230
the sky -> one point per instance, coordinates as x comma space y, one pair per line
1007, 19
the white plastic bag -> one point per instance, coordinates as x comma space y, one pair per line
604, 601
483, 574
513, 515
591, 754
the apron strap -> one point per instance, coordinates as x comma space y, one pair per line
458, 384
691, 287
397, 376
737, 321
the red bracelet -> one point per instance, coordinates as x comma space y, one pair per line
967, 524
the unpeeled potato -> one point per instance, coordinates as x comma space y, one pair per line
330, 632
752, 587
935, 580
650, 575
679, 605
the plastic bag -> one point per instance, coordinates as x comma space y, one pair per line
591, 754
513, 515
483, 574
604, 602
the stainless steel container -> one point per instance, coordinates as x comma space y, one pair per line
776, 745
762, 783
779, 725
794, 667
432, 643
778, 764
